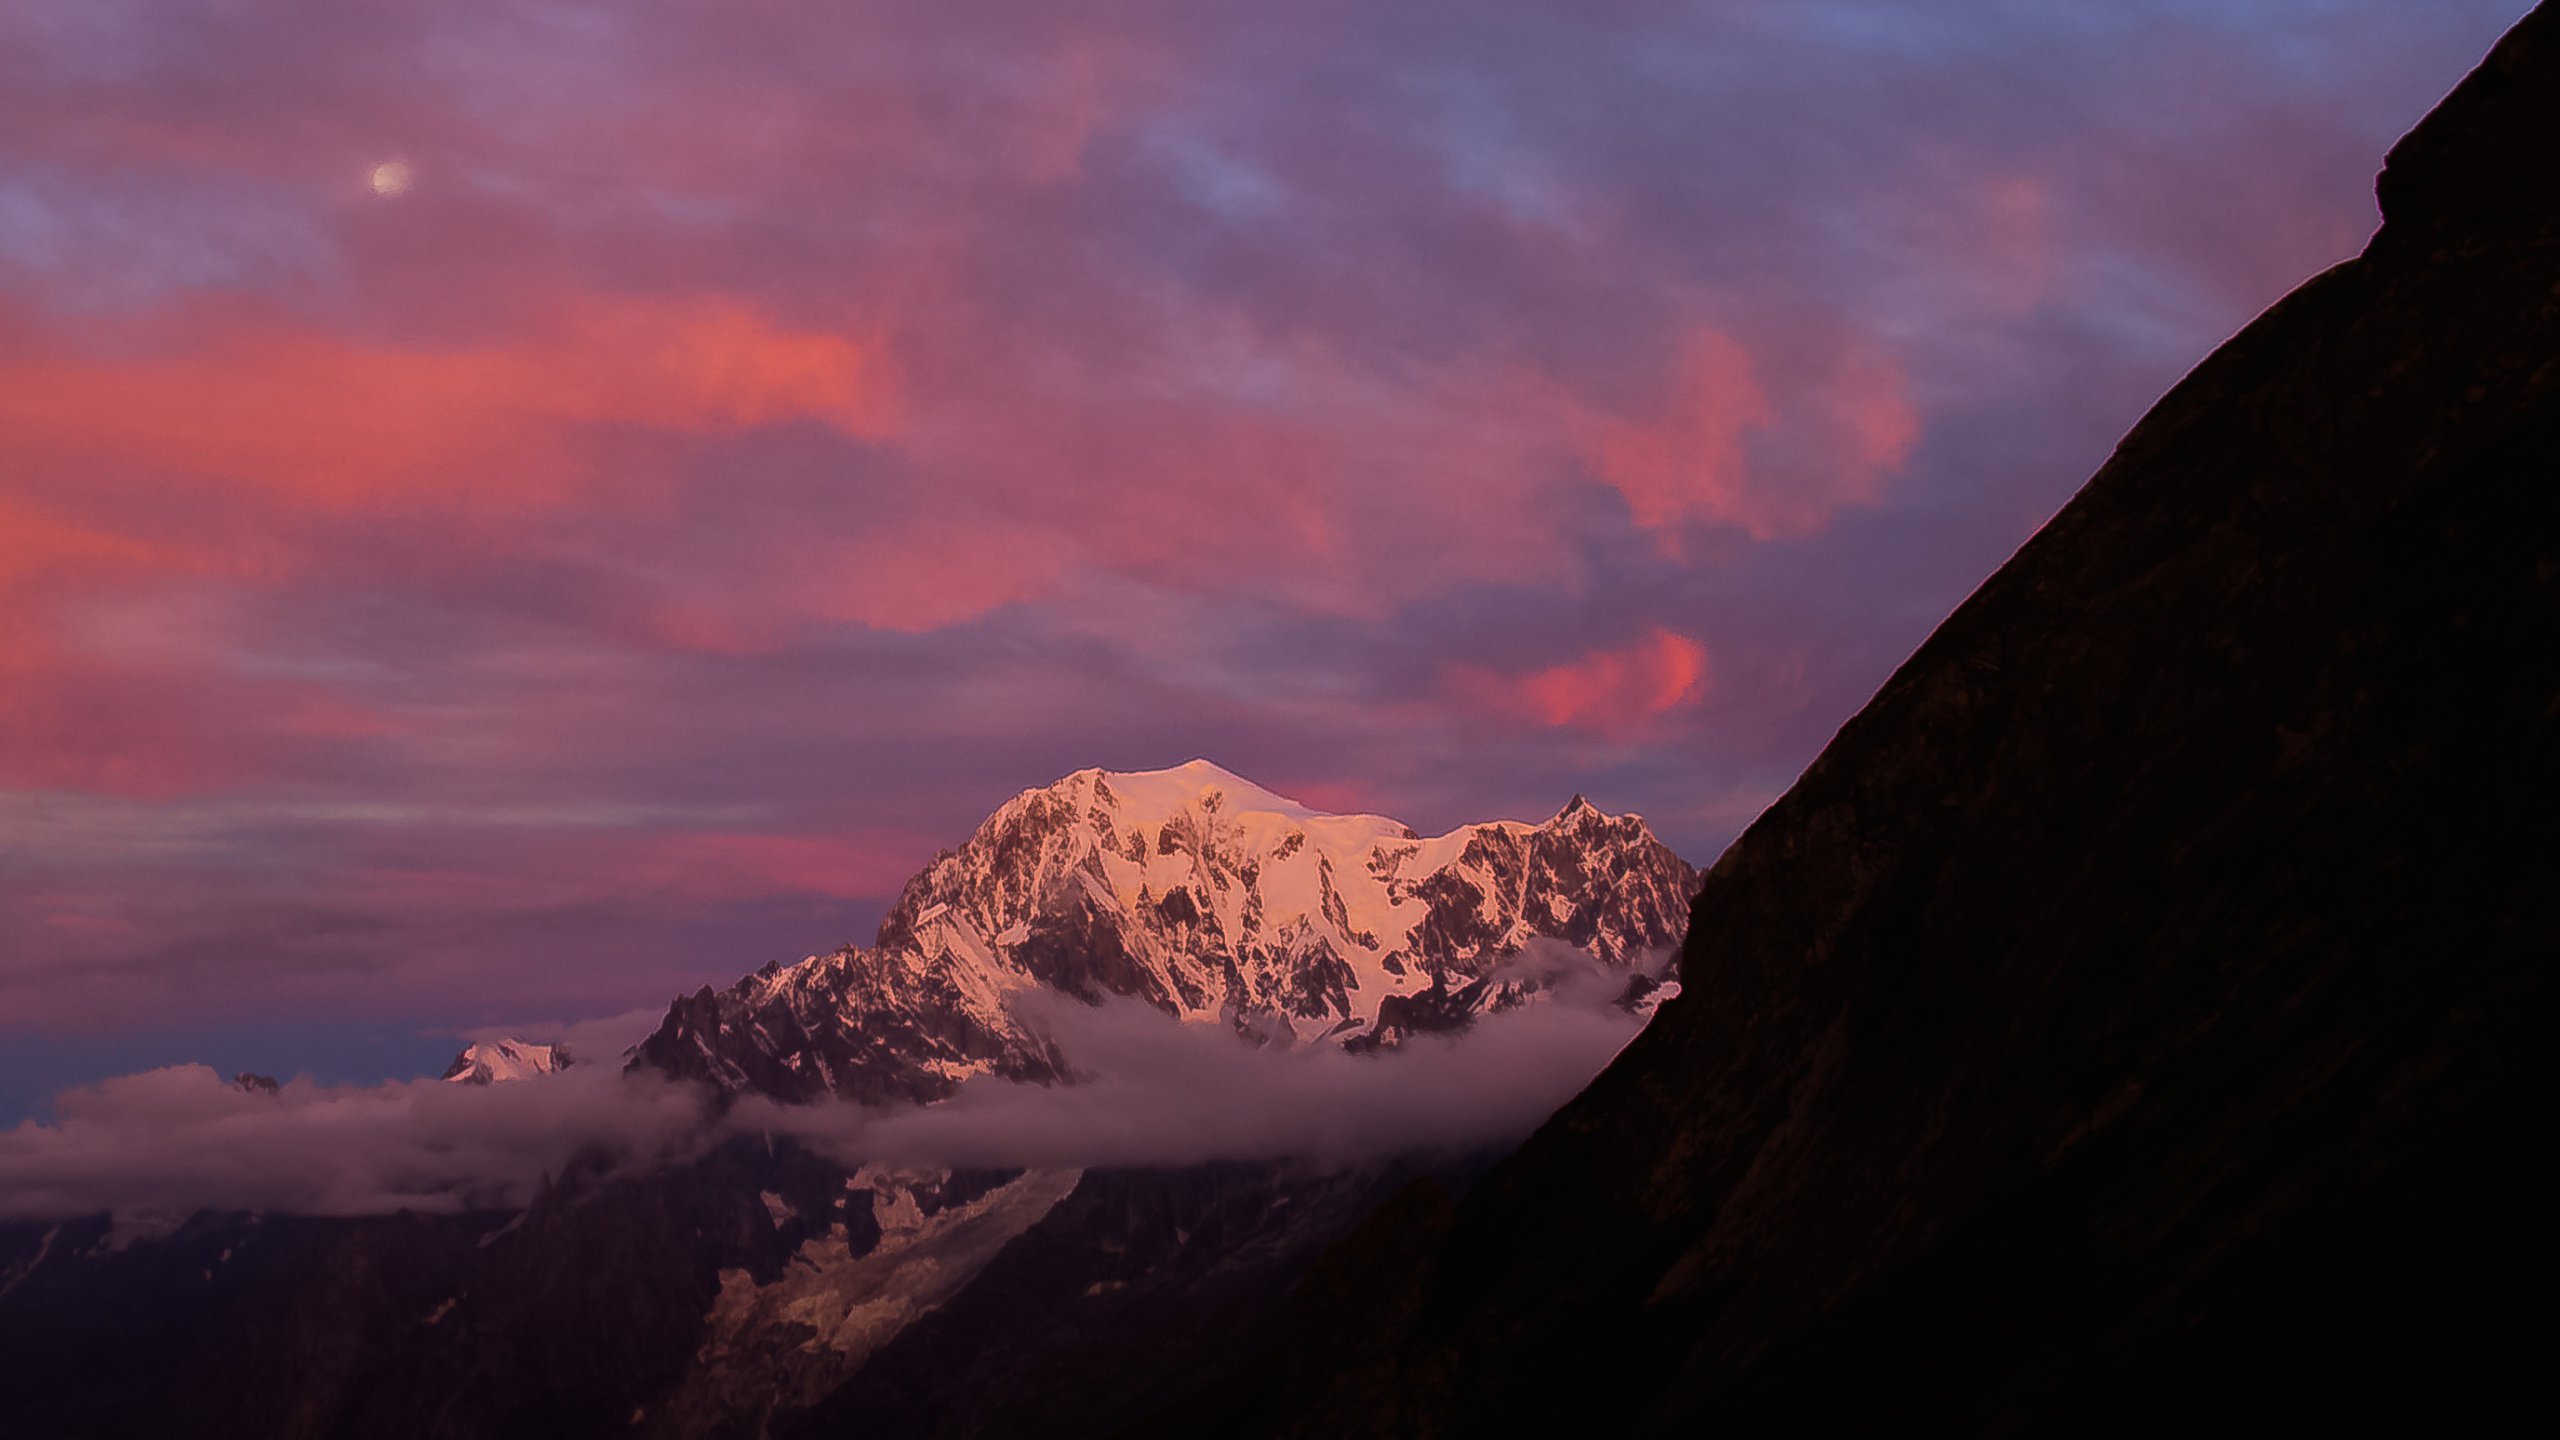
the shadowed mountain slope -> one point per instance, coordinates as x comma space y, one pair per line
2131, 1018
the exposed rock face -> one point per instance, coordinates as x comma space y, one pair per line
1197, 892
2135, 1014
776, 1344
1134, 1290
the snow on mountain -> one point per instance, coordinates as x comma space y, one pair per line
1204, 895
486, 1062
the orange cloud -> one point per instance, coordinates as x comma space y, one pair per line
1691, 461
1735, 448
35, 545
341, 422
1608, 692
228, 451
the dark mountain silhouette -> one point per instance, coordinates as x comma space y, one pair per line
2131, 1018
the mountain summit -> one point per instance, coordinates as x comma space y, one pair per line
487, 1062
1204, 895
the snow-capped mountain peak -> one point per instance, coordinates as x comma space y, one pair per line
1161, 793
486, 1062
1203, 894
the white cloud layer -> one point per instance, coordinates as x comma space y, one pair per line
1151, 1091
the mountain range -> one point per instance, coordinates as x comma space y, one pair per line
1206, 896
767, 1283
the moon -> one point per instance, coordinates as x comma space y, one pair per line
391, 177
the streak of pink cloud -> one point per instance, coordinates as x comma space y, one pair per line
1619, 693
272, 406
1725, 450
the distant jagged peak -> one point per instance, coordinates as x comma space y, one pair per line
1198, 892
1129, 839
487, 1062
1199, 789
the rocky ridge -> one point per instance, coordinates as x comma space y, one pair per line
1204, 895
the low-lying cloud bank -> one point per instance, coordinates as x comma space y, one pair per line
174, 1141
1175, 1094
1151, 1091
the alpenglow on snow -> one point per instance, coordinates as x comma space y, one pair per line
1202, 894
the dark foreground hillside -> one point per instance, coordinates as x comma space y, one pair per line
2133, 1017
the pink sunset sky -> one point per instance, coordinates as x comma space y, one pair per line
509, 511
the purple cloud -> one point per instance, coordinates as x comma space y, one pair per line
755, 443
